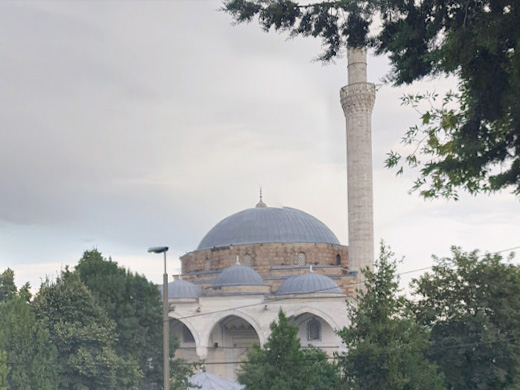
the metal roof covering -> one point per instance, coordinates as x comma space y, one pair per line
309, 283
207, 381
268, 225
183, 289
239, 275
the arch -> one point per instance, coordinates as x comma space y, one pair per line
318, 313
187, 336
215, 320
186, 322
229, 339
317, 330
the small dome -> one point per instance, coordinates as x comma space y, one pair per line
239, 275
264, 224
183, 289
309, 283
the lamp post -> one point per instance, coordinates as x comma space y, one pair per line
166, 321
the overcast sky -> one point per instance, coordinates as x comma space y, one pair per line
130, 124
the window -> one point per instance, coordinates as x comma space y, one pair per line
208, 264
248, 260
301, 259
314, 329
187, 337
338, 259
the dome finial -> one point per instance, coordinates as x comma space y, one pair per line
238, 260
310, 269
261, 202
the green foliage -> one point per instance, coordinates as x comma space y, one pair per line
449, 159
472, 305
476, 145
180, 372
4, 370
336, 23
29, 355
134, 305
281, 364
386, 346
7, 286
84, 336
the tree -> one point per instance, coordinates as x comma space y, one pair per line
134, 304
30, 359
472, 141
472, 305
84, 337
7, 285
282, 364
386, 346
4, 370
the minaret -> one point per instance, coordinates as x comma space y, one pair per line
357, 99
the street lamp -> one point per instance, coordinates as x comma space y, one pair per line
166, 321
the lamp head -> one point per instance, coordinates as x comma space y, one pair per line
158, 249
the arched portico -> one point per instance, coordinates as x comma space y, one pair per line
298, 311
188, 338
316, 328
216, 318
229, 340
174, 317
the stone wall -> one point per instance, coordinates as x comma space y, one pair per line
275, 262
263, 256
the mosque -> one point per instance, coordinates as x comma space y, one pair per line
264, 259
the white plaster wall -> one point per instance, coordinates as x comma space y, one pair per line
203, 316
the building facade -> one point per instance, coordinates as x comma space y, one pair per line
259, 261
246, 269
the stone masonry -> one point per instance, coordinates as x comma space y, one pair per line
275, 262
357, 99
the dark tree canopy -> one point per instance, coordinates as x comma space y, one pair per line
472, 305
134, 304
28, 359
386, 346
472, 140
7, 286
84, 337
4, 370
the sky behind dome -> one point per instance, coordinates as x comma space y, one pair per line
130, 124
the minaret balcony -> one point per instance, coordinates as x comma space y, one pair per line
359, 88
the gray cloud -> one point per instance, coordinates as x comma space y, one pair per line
129, 124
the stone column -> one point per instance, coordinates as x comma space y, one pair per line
202, 352
357, 99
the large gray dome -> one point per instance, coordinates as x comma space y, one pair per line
239, 275
262, 225
309, 283
183, 289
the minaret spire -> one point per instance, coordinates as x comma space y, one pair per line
261, 202
357, 99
